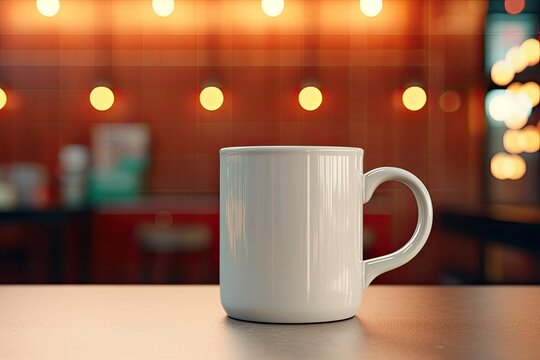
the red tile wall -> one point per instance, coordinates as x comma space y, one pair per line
157, 79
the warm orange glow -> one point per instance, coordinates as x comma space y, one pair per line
371, 8
511, 141
504, 166
273, 8
532, 90
498, 170
48, 8
502, 72
163, 8
211, 98
514, 6
519, 167
514, 87
518, 57
530, 139
414, 98
450, 101
3, 99
522, 104
532, 48
509, 106
102, 98
310, 98
515, 122
132, 17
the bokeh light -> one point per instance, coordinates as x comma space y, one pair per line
502, 72
522, 105
514, 87
532, 48
530, 139
211, 98
518, 57
102, 98
414, 98
450, 101
514, 6
500, 106
3, 99
519, 167
506, 105
163, 8
498, 168
48, 8
516, 122
532, 90
273, 8
371, 8
505, 166
310, 98
511, 141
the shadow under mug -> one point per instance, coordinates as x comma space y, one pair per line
291, 231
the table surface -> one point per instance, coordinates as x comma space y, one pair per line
187, 322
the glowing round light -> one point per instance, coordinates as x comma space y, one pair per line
530, 139
163, 8
502, 72
310, 98
211, 98
517, 56
504, 166
500, 107
507, 106
514, 6
515, 122
522, 104
519, 167
532, 48
3, 98
497, 166
511, 141
102, 98
532, 90
450, 101
371, 8
514, 87
48, 8
414, 98
273, 8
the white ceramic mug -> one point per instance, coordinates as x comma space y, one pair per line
291, 231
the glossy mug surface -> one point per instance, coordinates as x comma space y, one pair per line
291, 231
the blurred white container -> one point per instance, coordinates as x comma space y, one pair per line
74, 159
74, 162
8, 196
30, 181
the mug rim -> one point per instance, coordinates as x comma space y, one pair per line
287, 148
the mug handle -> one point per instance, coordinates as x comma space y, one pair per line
372, 179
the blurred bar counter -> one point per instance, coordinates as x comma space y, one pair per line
104, 245
164, 234
514, 226
56, 221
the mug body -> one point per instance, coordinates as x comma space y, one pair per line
291, 233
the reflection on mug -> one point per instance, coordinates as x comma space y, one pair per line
235, 205
298, 341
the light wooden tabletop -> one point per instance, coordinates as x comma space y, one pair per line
187, 322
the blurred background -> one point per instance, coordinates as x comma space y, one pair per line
112, 113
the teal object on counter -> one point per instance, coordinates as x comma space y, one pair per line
122, 183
